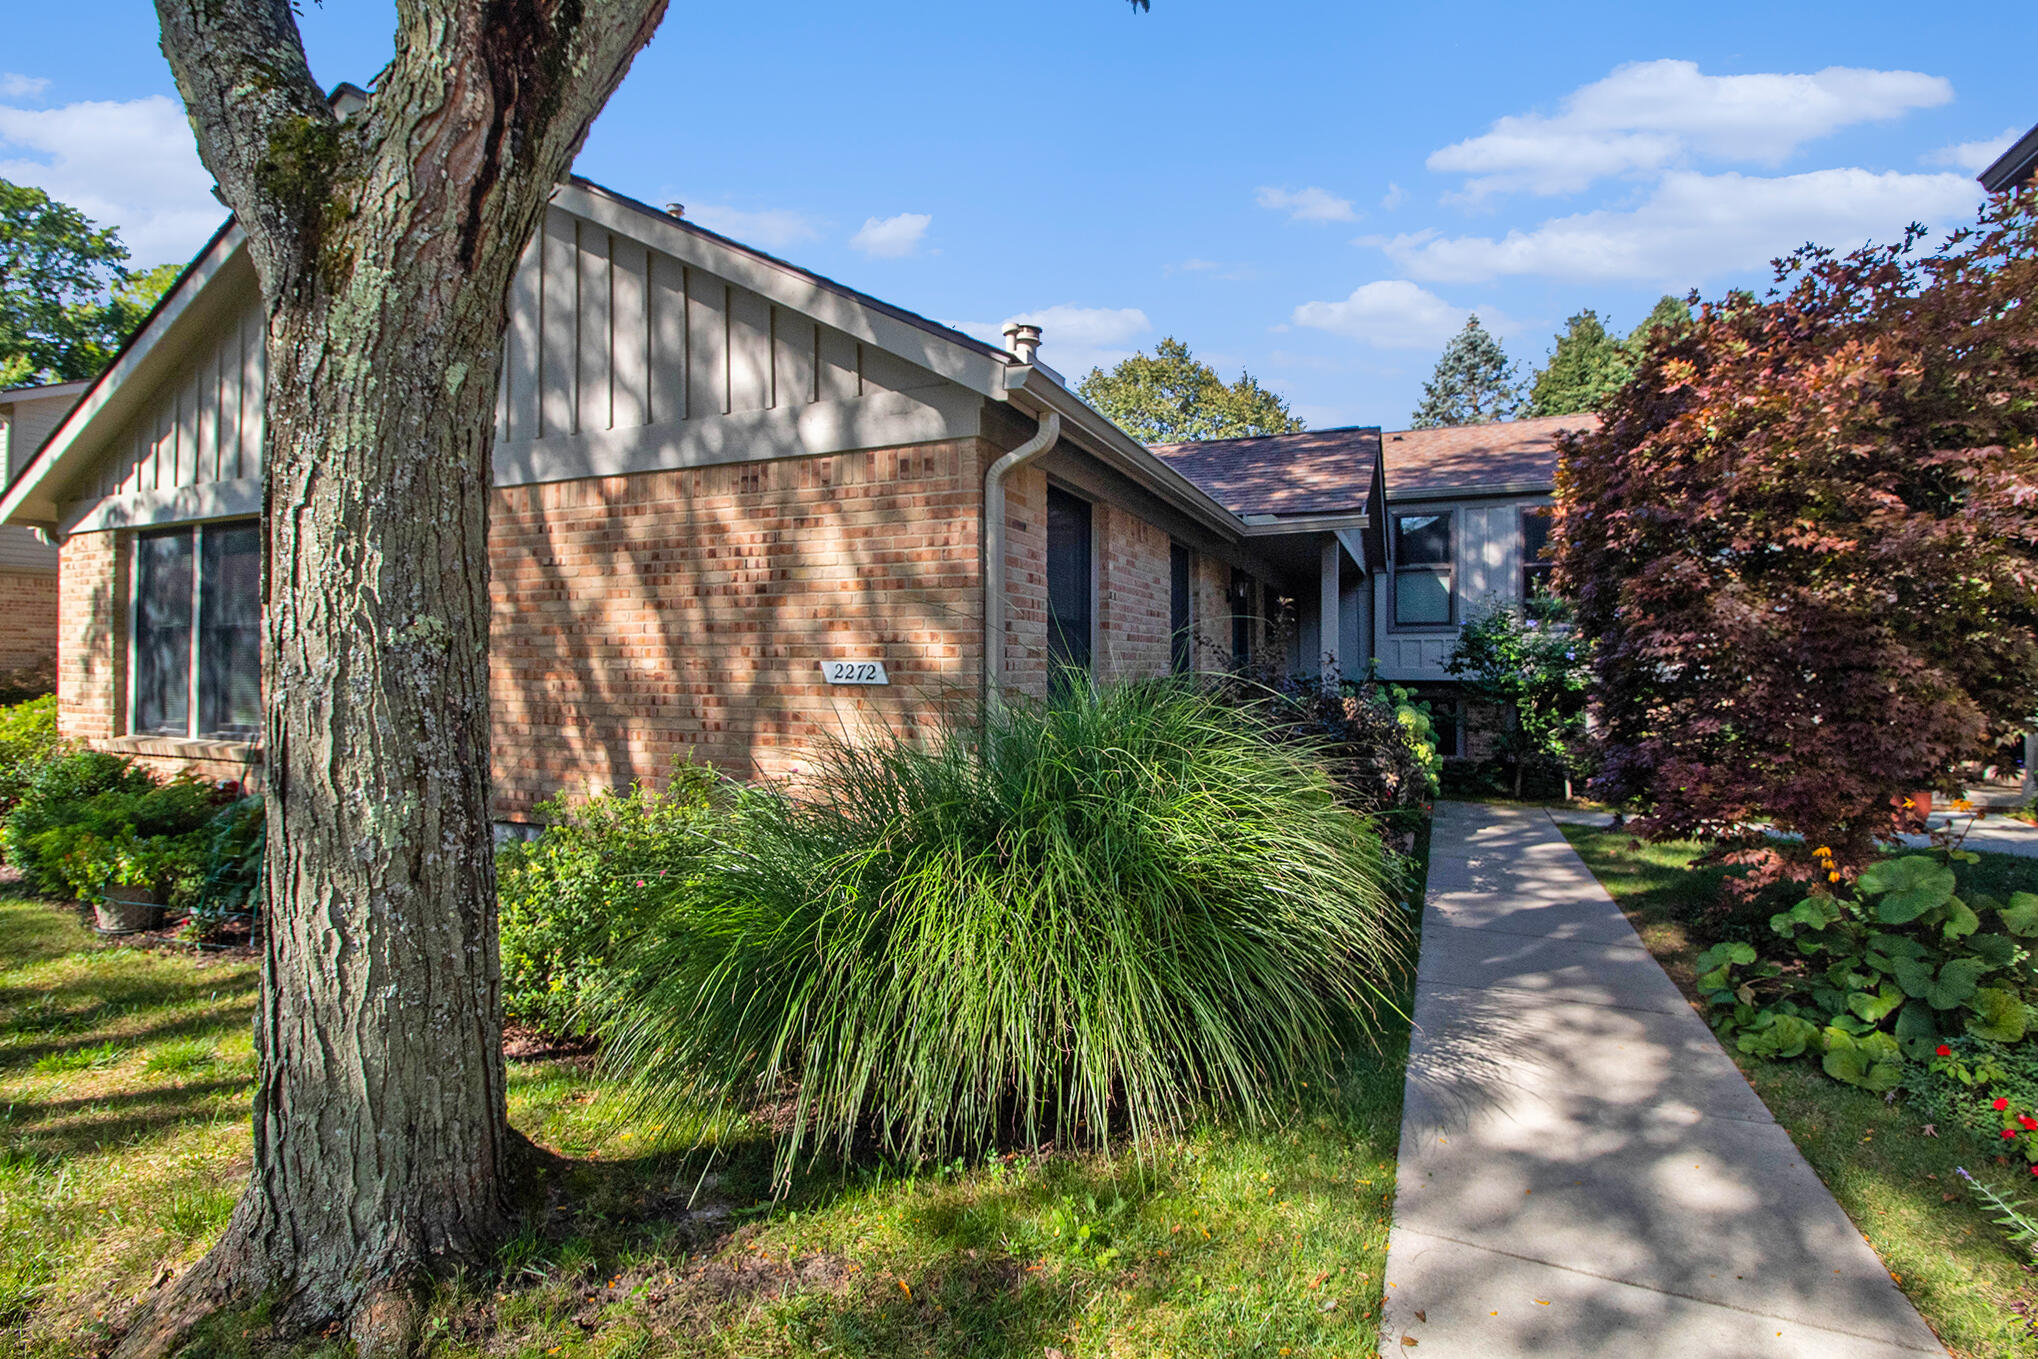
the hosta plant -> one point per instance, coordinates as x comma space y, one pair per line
1871, 982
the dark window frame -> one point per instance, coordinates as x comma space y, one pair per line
221, 626
1239, 599
1072, 647
1181, 606
1535, 568
1445, 570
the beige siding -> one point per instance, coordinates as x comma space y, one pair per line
606, 333
1486, 538
204, 425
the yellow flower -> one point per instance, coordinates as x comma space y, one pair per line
1832, 877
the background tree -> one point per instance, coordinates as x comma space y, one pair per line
1531, 664
67, 299
1474, 382
1805, 540
384, 246
1586, 365
1171, 396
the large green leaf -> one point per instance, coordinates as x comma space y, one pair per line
1716, 962
1917, 1029
1998, 1015
1872, 1062
1908, 887
1960, 919
1949, 986
1877, 1006
1776, 1036
2020, 917
1998, 949
1812, 913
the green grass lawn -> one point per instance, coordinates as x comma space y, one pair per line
124, 1086
1893, 1176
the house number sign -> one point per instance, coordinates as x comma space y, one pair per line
854, 672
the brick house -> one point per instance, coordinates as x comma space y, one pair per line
729, 494
28, 565
1463, 520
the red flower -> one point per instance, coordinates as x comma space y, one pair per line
2009, 1132
2000, 1104
2034, 1170
1943, 1050
2029, 1123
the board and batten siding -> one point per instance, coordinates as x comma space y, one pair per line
1487, 547
607, 334
204, 425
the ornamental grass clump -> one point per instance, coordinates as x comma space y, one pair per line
1093, 918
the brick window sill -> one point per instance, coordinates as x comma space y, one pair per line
185, 748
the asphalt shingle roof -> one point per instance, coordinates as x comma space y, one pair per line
1507, 453
1319, 471
1326, 471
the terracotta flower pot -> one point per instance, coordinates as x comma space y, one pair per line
128, 910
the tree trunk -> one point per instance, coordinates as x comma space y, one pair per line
385, 248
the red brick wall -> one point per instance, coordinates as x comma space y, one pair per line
639, 618
1133, 591
91, 618
28, 619
1026, 583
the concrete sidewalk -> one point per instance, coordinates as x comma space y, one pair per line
1583, 1169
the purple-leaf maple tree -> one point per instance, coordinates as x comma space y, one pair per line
1805, 542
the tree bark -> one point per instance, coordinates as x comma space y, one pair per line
385, 247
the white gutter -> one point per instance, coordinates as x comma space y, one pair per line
994, 547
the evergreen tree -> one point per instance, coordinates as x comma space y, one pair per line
1586, 365
1671, 313
1171, 396
1474, 383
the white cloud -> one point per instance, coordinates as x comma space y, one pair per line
1397, 314
16, 86
1975, 156
1306, 205
891, 238
1693, 227
1652, 115
769, 228
130, 164
1073, 339
1392, 198
1217, 269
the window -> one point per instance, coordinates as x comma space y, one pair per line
1422, 569
1241, 599
1535, 540
1179, 562
1069, 585
197, 665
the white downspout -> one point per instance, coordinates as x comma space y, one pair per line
994, 547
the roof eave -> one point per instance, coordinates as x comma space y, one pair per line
2015, 166
1474, 491
28, 499
1119, 450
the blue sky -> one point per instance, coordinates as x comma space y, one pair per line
1317, 192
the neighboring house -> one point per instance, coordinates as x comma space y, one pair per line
727, 492
28, 566
1462, 523
2016, 168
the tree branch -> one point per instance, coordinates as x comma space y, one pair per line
264, 127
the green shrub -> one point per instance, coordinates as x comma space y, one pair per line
1879, 983
54, 793
1083, 919
28, 741
566, 897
